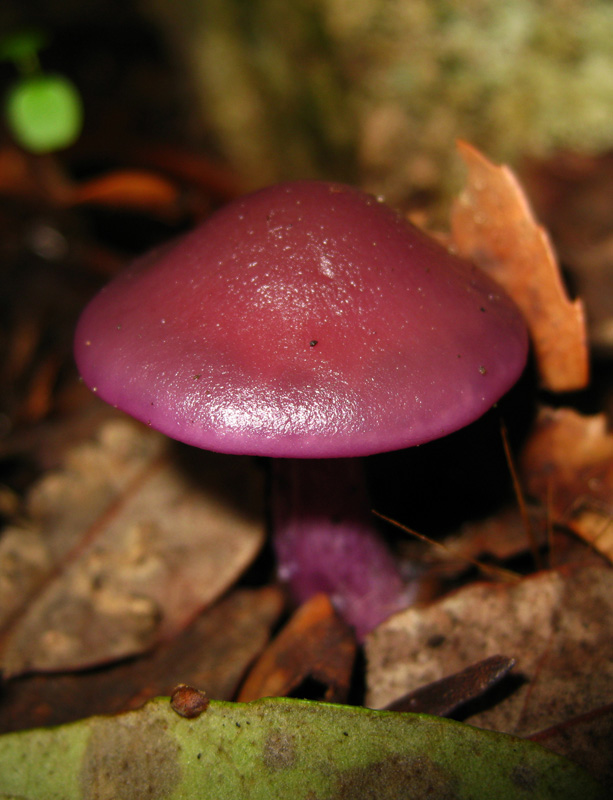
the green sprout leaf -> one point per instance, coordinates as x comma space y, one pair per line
44, 112
277, 748
21, 47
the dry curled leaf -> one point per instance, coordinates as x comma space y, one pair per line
316, 645
493, 225
124, 548
130, 189
568, 465
445, 696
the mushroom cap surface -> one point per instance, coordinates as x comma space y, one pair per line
305, 320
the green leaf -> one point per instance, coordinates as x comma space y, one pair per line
44, 112
280, 748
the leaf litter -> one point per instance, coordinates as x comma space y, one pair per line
567, 465
212, 653
555, 624
316, 645
122, 550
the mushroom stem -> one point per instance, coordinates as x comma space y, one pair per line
325, 540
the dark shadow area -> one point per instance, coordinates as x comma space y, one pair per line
437, 486
237, 482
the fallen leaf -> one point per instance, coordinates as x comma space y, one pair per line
499, 537
123, 549
317, 645
213, 653
277, 748
450, 693
556, 624
185, 166
586, 739
567, 463
129, 189
572, 193
492, 224
502, 538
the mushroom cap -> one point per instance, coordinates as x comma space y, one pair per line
305, 320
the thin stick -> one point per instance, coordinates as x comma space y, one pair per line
519, 495
498, 572
549, 523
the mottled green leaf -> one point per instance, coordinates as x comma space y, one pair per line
280, 748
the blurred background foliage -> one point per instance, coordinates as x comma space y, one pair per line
370, 91
382, 88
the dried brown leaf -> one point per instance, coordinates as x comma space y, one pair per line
315, 644
572, 193
130, 189
450, 693
492, 224
501, 536
212, 654
568, 465
556, 624
124, 548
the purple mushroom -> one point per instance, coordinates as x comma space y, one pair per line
310, 323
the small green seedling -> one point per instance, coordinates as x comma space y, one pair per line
43, 110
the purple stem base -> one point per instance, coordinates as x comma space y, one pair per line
325, 540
